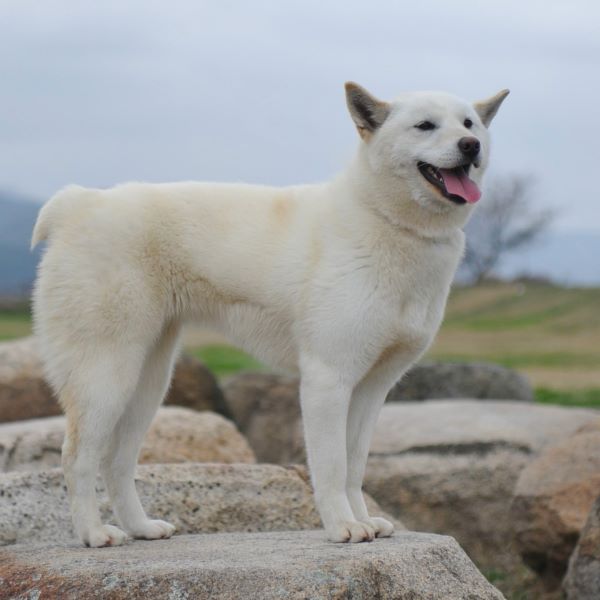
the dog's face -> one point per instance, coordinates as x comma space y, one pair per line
437, 144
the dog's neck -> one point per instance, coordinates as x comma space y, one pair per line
391, 199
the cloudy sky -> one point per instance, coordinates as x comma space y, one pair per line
102, 92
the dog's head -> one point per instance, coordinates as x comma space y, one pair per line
435, 145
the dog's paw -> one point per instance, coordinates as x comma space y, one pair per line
105, 535
351, 531
152, 530
382, 527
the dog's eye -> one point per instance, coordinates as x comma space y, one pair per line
468, 123
425, 125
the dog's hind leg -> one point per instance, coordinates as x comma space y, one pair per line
118, 464
94, 399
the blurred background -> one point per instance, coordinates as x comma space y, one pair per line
97, 93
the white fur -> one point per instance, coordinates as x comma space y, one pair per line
344, 281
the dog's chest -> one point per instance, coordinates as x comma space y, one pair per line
408, 307
412, 315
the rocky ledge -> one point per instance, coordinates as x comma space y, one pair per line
289, 565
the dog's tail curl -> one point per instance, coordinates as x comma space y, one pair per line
51, 212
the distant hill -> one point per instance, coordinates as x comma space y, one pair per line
17, 263
549, 332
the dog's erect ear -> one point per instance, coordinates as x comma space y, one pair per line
487, 109
367, 112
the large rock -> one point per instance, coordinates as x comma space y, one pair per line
269, 566
266, 408
583, 577
484, 381
444, 466
195, 387
467, 496
194, 497
451, 466
448, 466
553, 498
468, 426
176, 435
24, 393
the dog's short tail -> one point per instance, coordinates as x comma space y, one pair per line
51, 212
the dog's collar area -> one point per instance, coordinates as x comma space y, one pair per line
453, 184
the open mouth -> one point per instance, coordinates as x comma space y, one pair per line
453, 184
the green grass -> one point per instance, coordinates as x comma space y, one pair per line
224, 360
562, 360
502, 322
14, 323
588, 398
549, 333
494, 576
516, 306
514, 585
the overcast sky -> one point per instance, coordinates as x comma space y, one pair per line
102, 92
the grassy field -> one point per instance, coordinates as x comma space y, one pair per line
224, 360
14, 322
551, 334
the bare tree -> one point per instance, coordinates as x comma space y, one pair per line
506, 220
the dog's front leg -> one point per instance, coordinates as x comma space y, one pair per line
367, 400
325, 399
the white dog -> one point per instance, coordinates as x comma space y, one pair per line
345, 281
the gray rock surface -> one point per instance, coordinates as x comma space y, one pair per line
31, 445
553, 498
194, 497
451, 466
583, 577
484, 381
466, 496
176, 435
268, 566
463, 426
25, 395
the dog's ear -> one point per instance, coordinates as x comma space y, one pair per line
367, 112
487, 109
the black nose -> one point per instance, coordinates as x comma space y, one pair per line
469, 146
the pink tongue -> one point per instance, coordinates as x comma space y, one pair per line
460, 185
